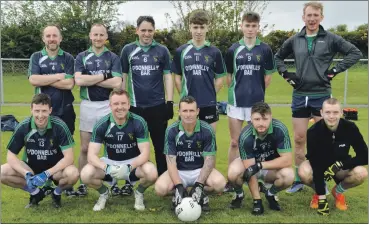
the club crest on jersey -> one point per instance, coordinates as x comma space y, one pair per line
206, 58
107, 63
198, 143
155, 58
51, 142
62, 66
130, 135
258, 57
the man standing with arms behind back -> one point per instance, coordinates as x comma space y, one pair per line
313, 49
146, 67
97, 72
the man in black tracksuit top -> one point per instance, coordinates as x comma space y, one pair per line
313, 49
328, 145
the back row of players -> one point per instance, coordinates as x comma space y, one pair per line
198, 68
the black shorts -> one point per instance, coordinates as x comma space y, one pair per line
156, 113
307, 106
69, 117
209, 114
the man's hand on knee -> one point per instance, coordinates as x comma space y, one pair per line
119, 172
251, 171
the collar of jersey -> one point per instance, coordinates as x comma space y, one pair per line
44, 52
153, 43
207, 44
33, 124
105, 50
197, 127
242, 42
120, 126
270, 130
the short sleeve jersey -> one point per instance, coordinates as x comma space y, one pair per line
248, 68
198, 68
120, 141
41, 64
190, 150
41, 150
276, 141
89, 62
145, 66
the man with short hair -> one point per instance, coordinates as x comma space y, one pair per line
314, 49
328, 145
48, 154
97, 72
265, 151
250, 64
198, 68
190, 148
51, 71
146, 68
127, 152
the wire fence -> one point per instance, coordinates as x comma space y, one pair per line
14, 83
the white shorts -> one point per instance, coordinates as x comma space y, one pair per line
240, 113
124, 162
91, 112
189, 177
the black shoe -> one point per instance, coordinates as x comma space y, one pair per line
258, 208
273, 202
35, 199
47, 190
228, 188
205, 204
237, 201
70, 192
56, 200
82, 190
114, 190
127, 190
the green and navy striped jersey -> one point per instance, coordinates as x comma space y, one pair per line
190, 149
248, 68
276, 141
41, 149
41, 64
105, 62
145, 66
199, 67
120, 141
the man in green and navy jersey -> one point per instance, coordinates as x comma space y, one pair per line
97, 72
250, 64
51, 71
126, 151
265, 151
146, 67
48, 154
190, 148
199, 69
314, 49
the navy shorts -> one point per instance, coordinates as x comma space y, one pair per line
307, 106
69, 117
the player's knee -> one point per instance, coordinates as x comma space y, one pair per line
234, 143
287, 175
87, 173
360, 173
306, 174
299, 139
219, 183
160, 189
5, 172
72, 174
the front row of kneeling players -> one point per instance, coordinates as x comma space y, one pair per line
190, 148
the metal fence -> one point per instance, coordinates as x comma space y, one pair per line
11, 68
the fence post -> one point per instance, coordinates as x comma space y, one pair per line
1, 82
345, 91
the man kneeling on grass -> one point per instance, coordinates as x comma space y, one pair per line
328, 145
127, 152
48, 155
